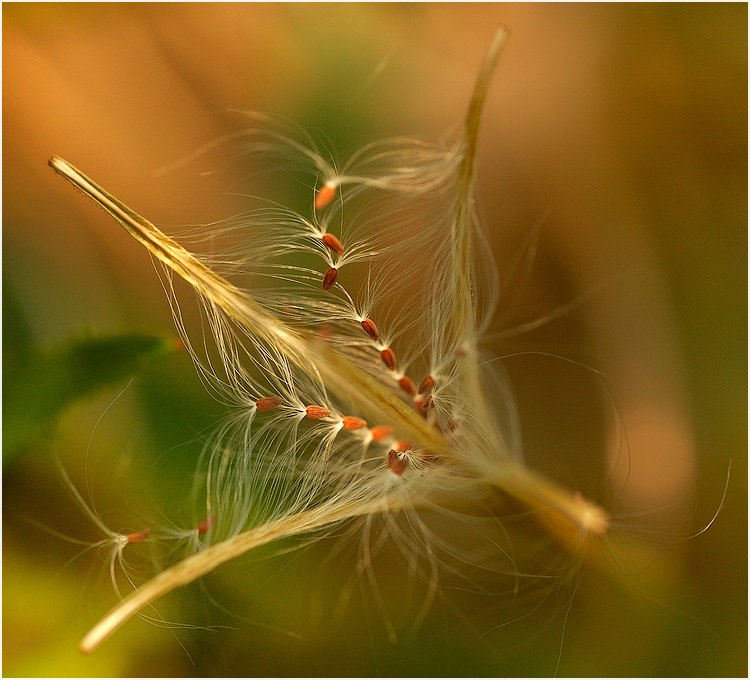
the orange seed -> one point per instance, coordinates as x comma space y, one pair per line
330, 241
205, 525
353, 423
325, 195
268, 403
381, 432
317, 412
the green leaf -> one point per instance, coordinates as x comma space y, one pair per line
17, 337
39, 389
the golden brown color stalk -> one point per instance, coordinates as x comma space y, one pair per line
481, 457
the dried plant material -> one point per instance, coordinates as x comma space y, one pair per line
292, 464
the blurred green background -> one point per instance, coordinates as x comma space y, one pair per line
618, 132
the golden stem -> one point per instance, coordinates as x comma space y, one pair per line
207, 560
568, 515
334, 369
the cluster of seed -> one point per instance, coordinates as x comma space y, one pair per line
396, 461
399, 451
422, 395
398, 456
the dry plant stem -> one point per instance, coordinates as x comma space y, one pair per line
335, 369
207, 560
463, 286
568, 513
569, 517
462, 222
338, 371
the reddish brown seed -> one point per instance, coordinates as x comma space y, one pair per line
330, 278
381, 432
268, 403
407, 385
423, 404
389, 358
353, 423
205, 525
317, 412
397, 464
138, 536
330, 241
369, 327
325, 195
428, 382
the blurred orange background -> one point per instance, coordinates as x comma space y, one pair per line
618, 131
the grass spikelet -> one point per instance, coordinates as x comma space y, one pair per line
347, 404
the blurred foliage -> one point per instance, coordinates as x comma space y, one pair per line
39, 384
